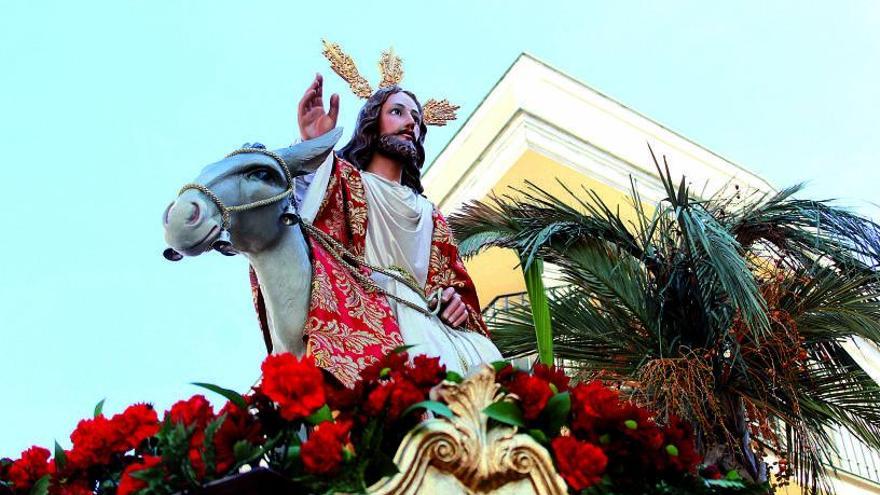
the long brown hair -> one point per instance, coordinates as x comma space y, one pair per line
359, 151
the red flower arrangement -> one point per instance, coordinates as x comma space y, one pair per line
326, 437
195, 411
606, 439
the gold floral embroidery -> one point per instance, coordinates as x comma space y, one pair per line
346, 369
338, 336
322, 290
322, 358
441, 234
357, 208
358, 220
355, 184
438, 266
369, 312
335, 222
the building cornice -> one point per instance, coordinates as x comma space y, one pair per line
536, 107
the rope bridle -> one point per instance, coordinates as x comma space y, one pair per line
350, 261
227, 211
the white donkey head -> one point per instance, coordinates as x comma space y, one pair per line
242, 203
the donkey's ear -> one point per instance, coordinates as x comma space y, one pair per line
305, 157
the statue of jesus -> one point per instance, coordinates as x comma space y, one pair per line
368, 196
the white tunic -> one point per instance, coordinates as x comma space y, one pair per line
399, 232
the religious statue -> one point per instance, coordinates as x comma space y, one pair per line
368, 264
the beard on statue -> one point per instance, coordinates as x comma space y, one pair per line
402, 149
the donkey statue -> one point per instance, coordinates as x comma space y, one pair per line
277, 250
244, 204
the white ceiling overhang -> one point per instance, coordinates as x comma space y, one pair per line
535, 107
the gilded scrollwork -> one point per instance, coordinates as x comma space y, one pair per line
465, 454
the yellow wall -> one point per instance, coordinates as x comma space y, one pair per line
495, 271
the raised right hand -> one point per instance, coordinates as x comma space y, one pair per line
312, 119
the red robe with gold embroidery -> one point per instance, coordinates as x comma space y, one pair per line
347, 327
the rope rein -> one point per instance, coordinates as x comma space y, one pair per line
353, 262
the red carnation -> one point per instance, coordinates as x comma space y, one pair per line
238, 425
393, 362
376, 400
196, 447
403, 395
341, 398
195, 411
95, 440
533, 393
322, 452
296, 386
394, 397
426, 372
137, 423
581, 464
594, 406
553, 375
129, 484
33, 465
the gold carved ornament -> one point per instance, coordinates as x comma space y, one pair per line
465, 454
434, 112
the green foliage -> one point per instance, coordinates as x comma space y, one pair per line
60, 457
434, 406
690, 486
230, 395
452, 376
556, 412
99, 408
321, 415
533, 271
759, 289
209, 450
505, 412
41, 487
173, 444
244, 452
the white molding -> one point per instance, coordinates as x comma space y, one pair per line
535, 107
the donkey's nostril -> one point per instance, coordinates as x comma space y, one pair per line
196, 213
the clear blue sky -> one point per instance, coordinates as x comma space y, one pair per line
106, 108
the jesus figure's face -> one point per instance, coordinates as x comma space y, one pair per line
399, 128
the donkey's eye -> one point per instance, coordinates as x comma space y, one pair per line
260, 174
